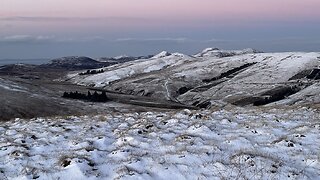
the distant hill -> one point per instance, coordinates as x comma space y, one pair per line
75, 63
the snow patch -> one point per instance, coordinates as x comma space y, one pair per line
120, 57
161, 55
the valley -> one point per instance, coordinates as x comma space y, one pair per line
211, 79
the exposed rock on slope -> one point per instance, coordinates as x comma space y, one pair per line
244, 77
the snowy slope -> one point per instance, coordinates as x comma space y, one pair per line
217, 76
271, 70
121, 57
124, 70
11, 86
223, 144
164, 60
215, 52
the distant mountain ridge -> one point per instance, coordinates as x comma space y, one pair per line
69, 62
74, 63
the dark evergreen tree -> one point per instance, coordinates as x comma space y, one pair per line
103, 97
65, 95
95, 96
89, 96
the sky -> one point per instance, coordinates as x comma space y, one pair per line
104, 28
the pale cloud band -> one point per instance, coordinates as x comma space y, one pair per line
153, 39
45, 39
54, 39
25, 38
72, 19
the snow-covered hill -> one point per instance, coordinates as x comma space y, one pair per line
129, 69
213, 144
215, 52
161, 55
215, 77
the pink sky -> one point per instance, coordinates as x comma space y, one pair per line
53, 28
116, 15
166, 10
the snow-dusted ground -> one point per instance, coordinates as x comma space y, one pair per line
233, 143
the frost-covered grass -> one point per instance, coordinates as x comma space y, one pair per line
212, 144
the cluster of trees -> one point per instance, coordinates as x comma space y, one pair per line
92, 72
95, 97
